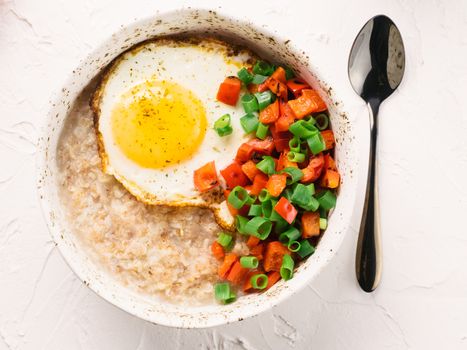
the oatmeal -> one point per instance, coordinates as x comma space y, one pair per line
156, 250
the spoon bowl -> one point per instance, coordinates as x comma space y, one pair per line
376, 67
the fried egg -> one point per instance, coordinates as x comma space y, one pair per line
154, 114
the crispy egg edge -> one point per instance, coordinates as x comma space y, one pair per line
212, 200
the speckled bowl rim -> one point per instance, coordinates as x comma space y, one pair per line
154, 310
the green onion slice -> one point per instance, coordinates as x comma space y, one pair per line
323, 213
322, 121
264, 99
323, 223
295, 174
255, 210
264, 195
287, 267
312, 188
225, 240
267, 165
303, 129
292, 234
259, 227
249, 103
287, 193
223, 293
249, 122
301, 195
327, 200
294, 144
249, 262
259, 281
259, 79
222, 125
316, 143
262, 131
240, 222
263, 68
267, 207
294, 246
312, 204
280, 225
238, 197
245, 76
296, 157
306, 249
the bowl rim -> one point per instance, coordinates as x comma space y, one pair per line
253, 309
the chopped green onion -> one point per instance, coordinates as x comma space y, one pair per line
223, 293
245, 76
303, 129
249, 262
275, 217
287, 193
301, 195
251, 200
267, 207
310, 121
255, 210
292, 234
327, 200
286, 270
225, 240
294, 144
294, 246
312, 204
249, 103
249, 122
240, 222
262, 131
263, 68
295, 174
296, 157
323, 213
259, 227
264, 195
289, 73
316, 143
259, 79
259, 281
280, 224
323, 223
322, 121
238, 197
312, 188
306, 249
267, 165
264, 99
222, 125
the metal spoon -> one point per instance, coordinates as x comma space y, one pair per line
376, 67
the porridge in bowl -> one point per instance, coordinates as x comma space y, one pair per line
139, 176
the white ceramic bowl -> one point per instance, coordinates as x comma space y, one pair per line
270, 46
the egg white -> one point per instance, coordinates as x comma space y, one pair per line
198, 66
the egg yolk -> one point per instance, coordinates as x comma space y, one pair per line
158, 124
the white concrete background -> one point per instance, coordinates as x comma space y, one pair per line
422, 300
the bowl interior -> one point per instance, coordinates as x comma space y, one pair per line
268, 45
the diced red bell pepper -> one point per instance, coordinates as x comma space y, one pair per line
313, 170
229, 91
285, 209
234, 176
205, 178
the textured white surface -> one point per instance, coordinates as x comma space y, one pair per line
422, 301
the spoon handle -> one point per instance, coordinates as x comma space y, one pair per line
369, 259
